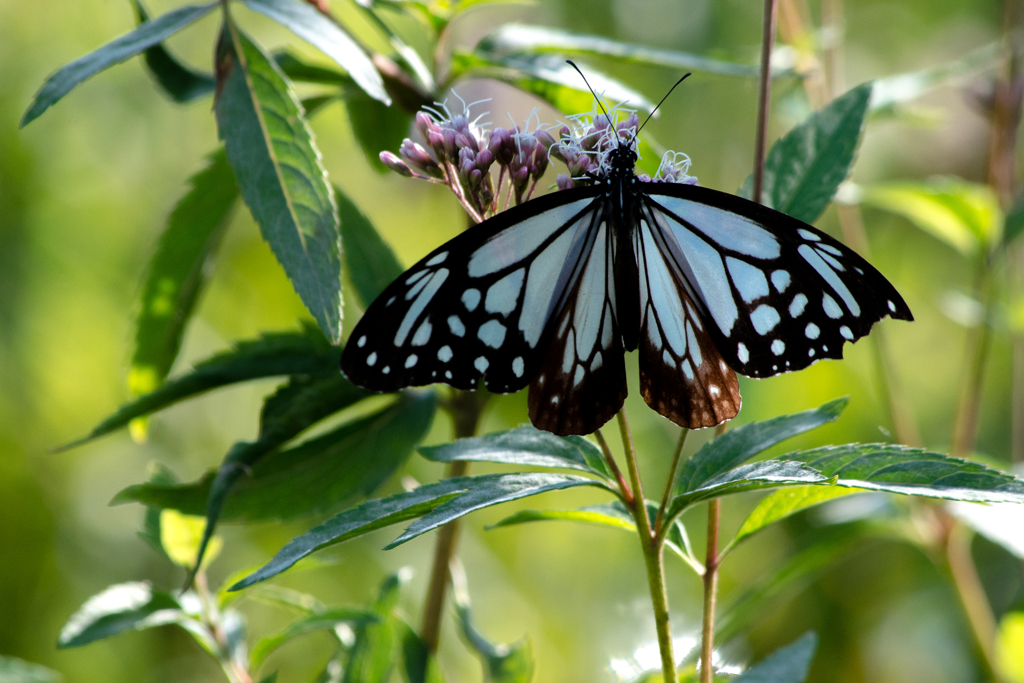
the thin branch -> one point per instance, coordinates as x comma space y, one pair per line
764, 95
670, 483
610, 459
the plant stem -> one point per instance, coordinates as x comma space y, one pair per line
610, 459
670, 483
764, 95
965, 430
711, 558
972, 595
653, 558
465, 409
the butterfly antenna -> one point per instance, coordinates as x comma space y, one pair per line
651, 115
573, 65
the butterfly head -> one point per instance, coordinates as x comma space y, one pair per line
621, 160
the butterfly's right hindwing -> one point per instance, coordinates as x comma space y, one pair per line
477, 306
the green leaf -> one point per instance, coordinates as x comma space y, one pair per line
372, 658
283, 353
1010, 648
549, 78
179, 82
501, 663
418, 665
1000, 523
369, 261
145, 36
178, 271
964, 215
119, 608
325, 620
270, 678
805, 168
308, 23
783, 503
1013, 226
609, 515
788, 664
298, 69
377, 127
911, 471
319, 475
739, 445
894, 90
278, 166
150, 533
526, 446
750, 477
519, 38
14, 670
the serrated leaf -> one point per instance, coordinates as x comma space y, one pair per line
805, 167
519, 38
783, 503
283, 353
279, 169
549, 78
14, 670
119, 608
911, 471
526, 446
788, 664
377, 127
181, 83
178, 270
964, 215
373, 654
1001, 523
739, 445
324, 620
1010, 648
312, 26
600, 515
750, 477
369, 261
116, 51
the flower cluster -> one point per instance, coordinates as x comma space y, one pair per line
459, 152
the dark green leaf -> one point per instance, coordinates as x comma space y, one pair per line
179, 82
324, 620
519, 38
312, 26
14, 670
788, 664
373, 654
1014, 225
377, 127
286, 353
805, 168
278, 166
524, 446
501, 663
782, 504
369, 261
178, 271
298, 69
739, 445
549, 78
912, 471
418, 665
145, 36
150, 533
119, 608
750, 477
270, 678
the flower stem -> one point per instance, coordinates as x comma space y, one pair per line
653, 558
707, 644
764, 95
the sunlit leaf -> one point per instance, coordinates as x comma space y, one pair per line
964, 215
181, 83
601, 515
785, 502
145, 36
526, 446
788, 664
1010, 648
181, 535
178, 271
739, 445
751, 477
14, 670
328, 37
278, 167
805, 167
325, 620
369, 261
519, 38
119, 608
1001, 523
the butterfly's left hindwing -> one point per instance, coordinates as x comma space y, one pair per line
478, 306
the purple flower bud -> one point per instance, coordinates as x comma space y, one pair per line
484, 159
475, 176
540, 160
690, 180
467, 161
502, 146
564, 182
463, 141
644, 178
436, 142
544, 139
527, 143
395, 164
520, 176
630, 123
451, 149
424, 125
601, 122
415, 155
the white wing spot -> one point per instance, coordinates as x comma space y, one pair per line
846, 332
824, 349
667, 358
444, 354
764, 318
422, 335
692, 342
448, 374
778, 347
569, 357
688, 370
431, 285
812, 331
713, 390
721, 365
411, 360
796, 308
597, 362
387, 369
750, 282
371, 360
892, 307
810, 352
780, 278
578, 376
503, 294
481, 364
456, 326
471, 299
554, 400
438, 259
830, 249
828, 274
832, 309
808, 235
742, 353
517, 366
416, 277
492, 333
362, 341
830, 260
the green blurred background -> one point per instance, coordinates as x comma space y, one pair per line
84, 194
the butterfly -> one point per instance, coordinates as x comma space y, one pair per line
552, 293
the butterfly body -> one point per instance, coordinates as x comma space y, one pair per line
551, 293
